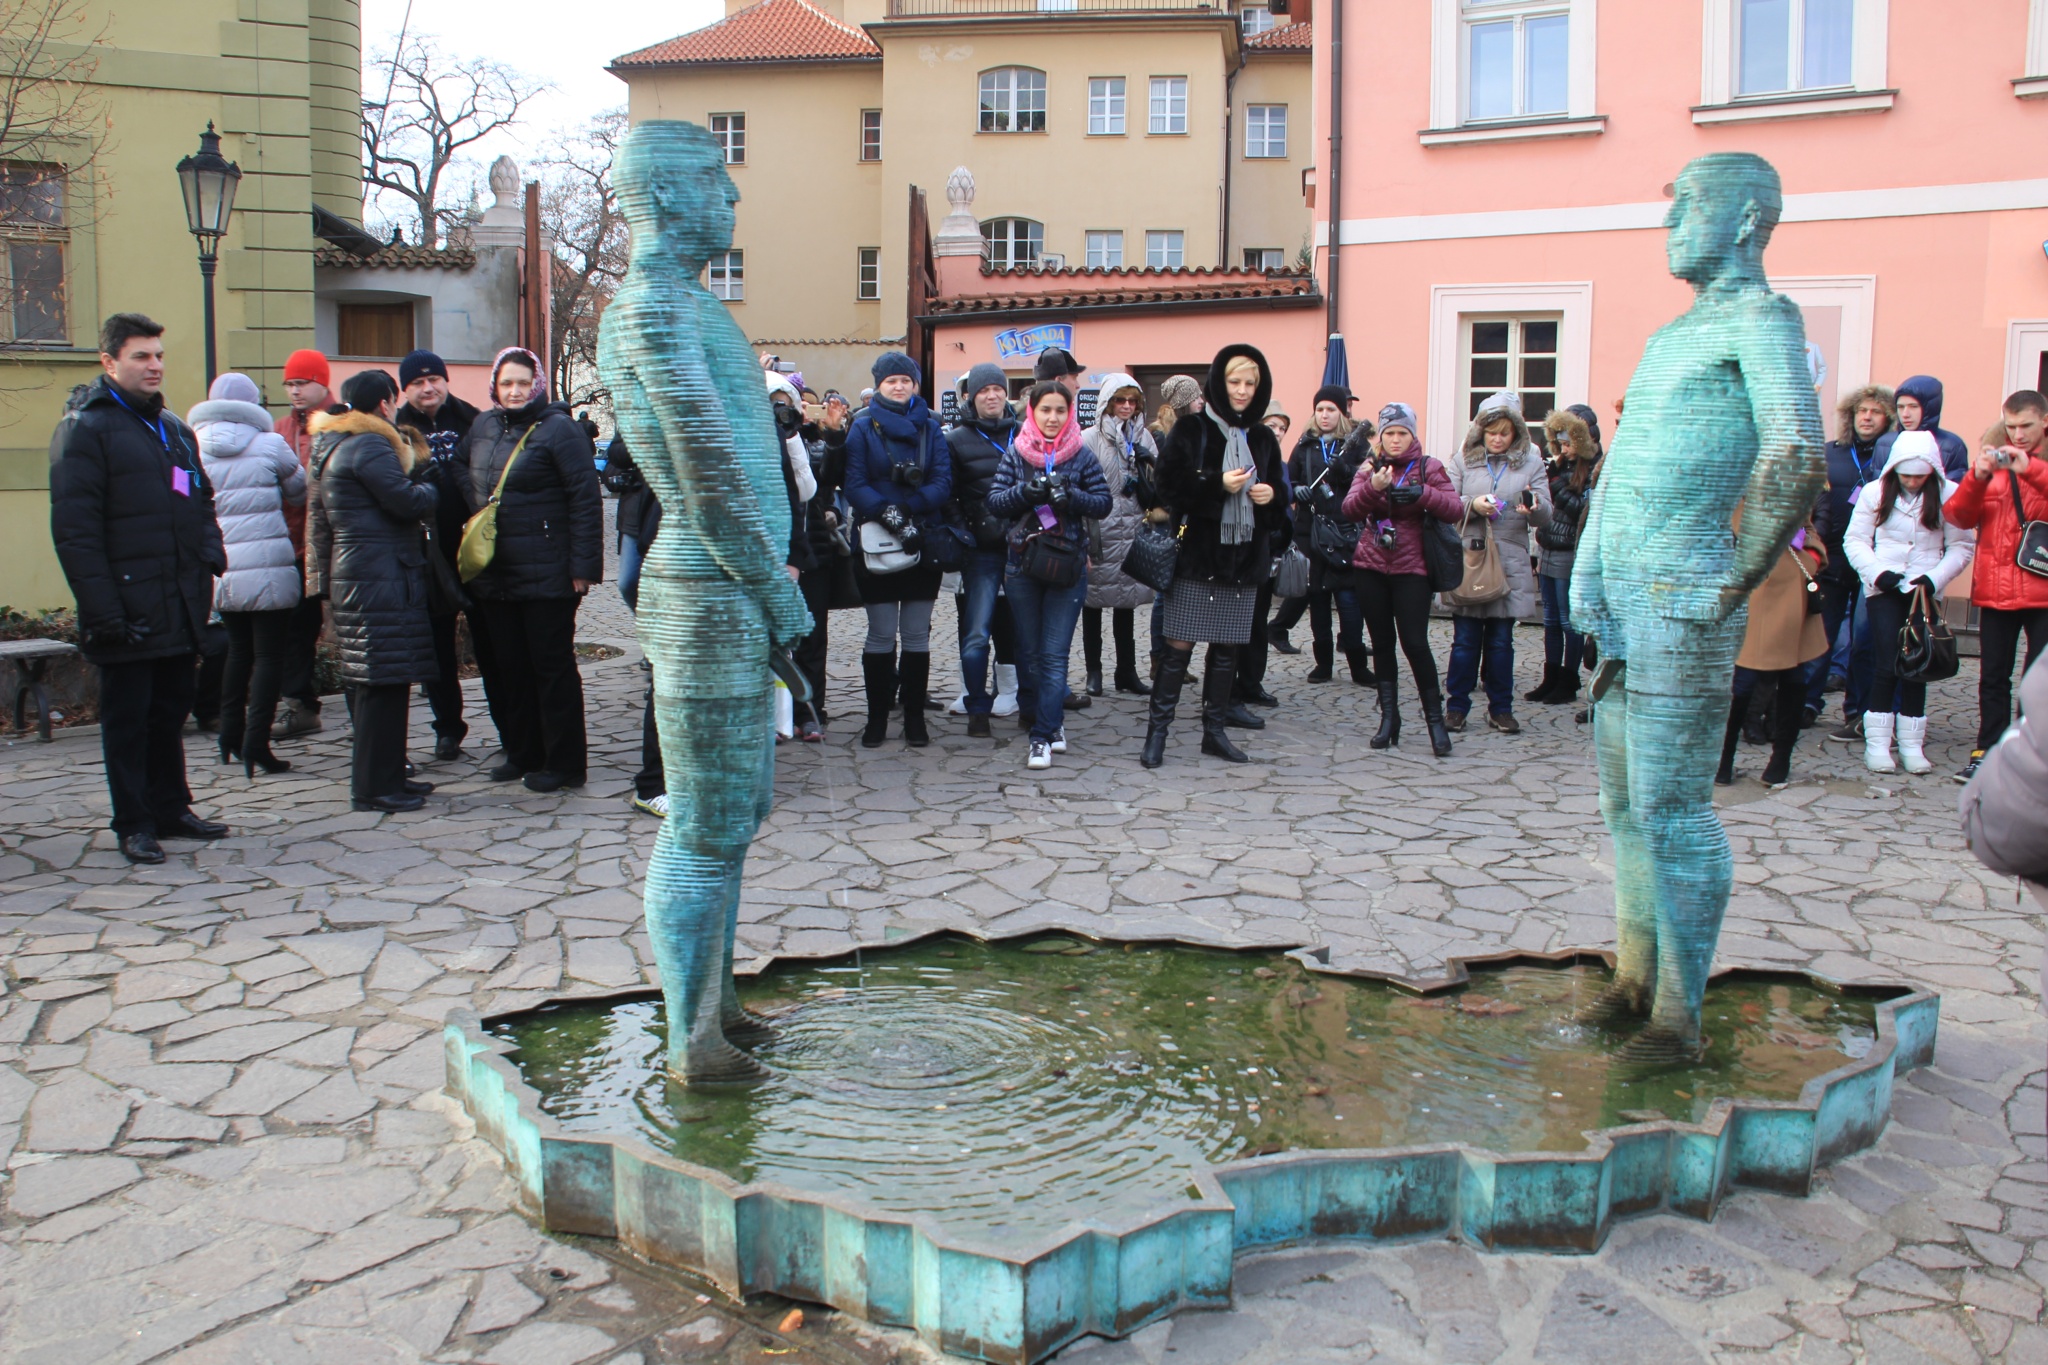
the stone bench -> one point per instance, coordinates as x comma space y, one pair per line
31, 660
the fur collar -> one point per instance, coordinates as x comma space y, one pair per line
407, 443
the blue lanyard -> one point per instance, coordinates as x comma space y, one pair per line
157, 426
1407, 475
1494, 478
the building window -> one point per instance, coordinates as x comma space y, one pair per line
1169, 104
1254, 20
727, 276
377, 330
870, 135
1105, 250
1013, 100
1518, 353
731, 132
1265, 130
33, 237
1106, 106
1264, 258
1787, 45
1165, 250
1517, 60
869, 274
1012, 243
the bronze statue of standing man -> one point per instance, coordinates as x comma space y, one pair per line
1720, 415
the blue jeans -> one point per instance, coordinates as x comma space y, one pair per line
629, 571
981, 578
1045, 618
1481, 647
1563, 647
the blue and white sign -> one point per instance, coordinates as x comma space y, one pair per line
1024, 343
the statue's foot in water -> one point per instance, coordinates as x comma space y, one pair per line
714, 1061
1658, 1045
746, 1029
1621, 1002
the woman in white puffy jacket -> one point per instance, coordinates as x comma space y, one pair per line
1900, 546
254, 474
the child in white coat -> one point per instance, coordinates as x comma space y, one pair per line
1900, 547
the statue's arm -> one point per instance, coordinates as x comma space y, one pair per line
1789, 470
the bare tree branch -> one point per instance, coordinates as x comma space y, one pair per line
438, 106
580, 215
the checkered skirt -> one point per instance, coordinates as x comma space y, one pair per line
1212, 613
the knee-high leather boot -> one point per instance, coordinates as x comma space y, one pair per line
1217, 676
1433, 718
914, 678
1165, 699
878, 671
1724, 776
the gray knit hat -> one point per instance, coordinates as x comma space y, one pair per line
1182, 392
983, 376
1398, 415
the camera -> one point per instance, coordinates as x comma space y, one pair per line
2003, 457
907, 475
1383, 532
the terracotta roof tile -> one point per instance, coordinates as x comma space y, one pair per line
397, 258
772, 31
1100, 288
1293, 38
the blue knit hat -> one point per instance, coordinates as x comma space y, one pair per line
895, 362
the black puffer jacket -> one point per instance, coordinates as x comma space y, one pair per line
827, 450
1336, 468
445, 431
978, 447
1191, 479
364, 550
551, 517
134, 550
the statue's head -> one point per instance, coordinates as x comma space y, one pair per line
674, 191
1723, 208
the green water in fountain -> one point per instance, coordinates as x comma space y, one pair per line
1010, 1088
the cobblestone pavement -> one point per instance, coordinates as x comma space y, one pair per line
219, 1078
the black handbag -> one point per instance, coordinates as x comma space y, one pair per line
1443, 554
1053, 562
1927, 647
1152, 558
445, 596
2032, 554
1332, 541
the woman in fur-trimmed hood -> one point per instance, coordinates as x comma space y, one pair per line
1501, 480
1574, 468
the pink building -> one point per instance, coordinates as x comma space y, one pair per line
1505, 167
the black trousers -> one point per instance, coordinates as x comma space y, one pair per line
809, 654
1397, 604
379, 715
444, 693
296, 668
652, 779
1252, 656
1998, 637
251, 682
142, 714
1887, 617
209, 682
1123, 627
1291, 611
535, 691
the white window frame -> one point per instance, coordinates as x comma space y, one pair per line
1449, 304
1010, 85
1866, 92
1265, 258
1163, 243
1110, 242
2033, 85
1107, 106
1467, 391
1490, 13
726, 276
1161, 116
1856, 297
1260, 118
1035, 239
1447, 98
1251, 27
867, 274
730, 130
865, 116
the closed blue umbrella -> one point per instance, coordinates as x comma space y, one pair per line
1336, 367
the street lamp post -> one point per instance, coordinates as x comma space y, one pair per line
209, 180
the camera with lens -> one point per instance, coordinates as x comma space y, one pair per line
908, 474
1383, 532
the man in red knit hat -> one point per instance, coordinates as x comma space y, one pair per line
307, 381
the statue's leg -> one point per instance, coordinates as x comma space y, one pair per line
1635, 917
1674, 799
741, 1027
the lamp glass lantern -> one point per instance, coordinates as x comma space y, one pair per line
208, 180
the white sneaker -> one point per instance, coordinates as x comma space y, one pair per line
959, 706
1912, 732
656, 805
1041, 755
1059, 741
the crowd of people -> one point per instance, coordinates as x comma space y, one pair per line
380, 513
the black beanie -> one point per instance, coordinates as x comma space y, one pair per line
1333, 393
417, 363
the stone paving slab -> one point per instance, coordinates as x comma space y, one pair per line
219, 1078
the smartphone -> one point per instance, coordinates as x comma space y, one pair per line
814, 412
1528, 499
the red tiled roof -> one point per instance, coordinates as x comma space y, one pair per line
397, 258
1293, 38
1130, 287
772, 31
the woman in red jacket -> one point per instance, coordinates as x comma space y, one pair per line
2007, 466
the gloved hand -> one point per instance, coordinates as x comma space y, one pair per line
893, 521
1923, 581
1402, 495
1302, 495
1889, 581
1039, 490
118, 634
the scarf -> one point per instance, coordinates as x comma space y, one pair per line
1236, 526
538, 398
1040, 453
901, 421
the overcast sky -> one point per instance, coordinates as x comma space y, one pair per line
565, 42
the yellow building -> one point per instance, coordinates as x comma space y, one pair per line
1100, 133
281, 80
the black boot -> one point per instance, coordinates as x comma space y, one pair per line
914, 680
1543, 690
1173, 674
878, 671
1433, 717
1724, 776
1360, 659
1785, 727
1218, 674
1321, 672
1390, 715
1127, 680
1123, 630
1566, 690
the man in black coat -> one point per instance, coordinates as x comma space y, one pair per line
131, 513
444, 420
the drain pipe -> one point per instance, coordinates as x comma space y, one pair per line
1336, 209
1229, 98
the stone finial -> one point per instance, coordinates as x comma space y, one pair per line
505, 183
504, 222
960, 233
